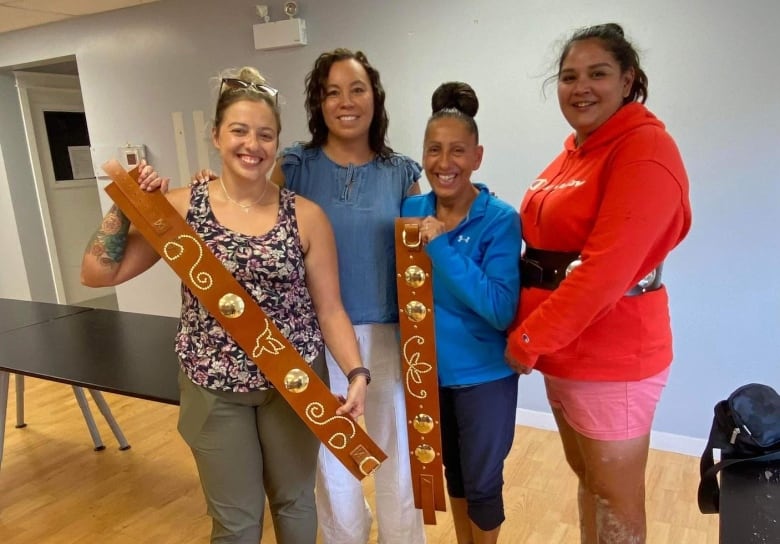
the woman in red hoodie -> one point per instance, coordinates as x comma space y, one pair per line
594, 315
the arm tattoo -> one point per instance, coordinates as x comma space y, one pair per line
109, 242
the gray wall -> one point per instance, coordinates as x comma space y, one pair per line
713, 80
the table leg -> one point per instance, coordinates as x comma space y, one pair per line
97, 396
81, 398
20, 401
3, 407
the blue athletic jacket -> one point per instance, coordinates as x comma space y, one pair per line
476, 287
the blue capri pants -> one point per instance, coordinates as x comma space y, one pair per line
478, 427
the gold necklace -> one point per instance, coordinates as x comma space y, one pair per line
244, 207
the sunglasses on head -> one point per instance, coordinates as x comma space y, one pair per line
238, 84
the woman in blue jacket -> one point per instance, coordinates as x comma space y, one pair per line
473, 240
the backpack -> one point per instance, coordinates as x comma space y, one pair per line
746, 427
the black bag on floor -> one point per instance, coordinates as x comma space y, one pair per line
746, 427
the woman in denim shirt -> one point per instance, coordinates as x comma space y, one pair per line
350, 171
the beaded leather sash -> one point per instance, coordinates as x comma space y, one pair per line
221, 294
418, 366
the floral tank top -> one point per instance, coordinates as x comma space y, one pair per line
270, 267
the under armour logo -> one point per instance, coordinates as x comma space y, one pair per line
463, 239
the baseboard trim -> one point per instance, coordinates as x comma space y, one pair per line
676, 443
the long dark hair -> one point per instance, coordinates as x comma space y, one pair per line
316, 81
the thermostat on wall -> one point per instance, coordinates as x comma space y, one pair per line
131, 155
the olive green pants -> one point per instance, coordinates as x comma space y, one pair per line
247, 446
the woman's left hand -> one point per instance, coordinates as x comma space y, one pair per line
355, 402
524, 367
430, 228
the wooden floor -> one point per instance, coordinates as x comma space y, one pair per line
55, 489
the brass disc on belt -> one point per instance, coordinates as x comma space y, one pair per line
296, 381
414, 276
422, 423
416, 311
424, 453
231, 305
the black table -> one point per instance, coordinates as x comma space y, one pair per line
119, 352
15, 314
750, 503
101, 350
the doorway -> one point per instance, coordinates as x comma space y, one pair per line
57, 136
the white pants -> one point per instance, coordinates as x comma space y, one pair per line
344, 515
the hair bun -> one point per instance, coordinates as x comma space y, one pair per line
251, 75
616, 28
455, 95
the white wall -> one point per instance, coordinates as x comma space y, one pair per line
13, 279
713, 80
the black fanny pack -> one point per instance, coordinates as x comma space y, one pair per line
547, 269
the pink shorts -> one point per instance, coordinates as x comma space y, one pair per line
607, 410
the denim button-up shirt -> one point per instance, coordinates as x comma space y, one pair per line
362, 202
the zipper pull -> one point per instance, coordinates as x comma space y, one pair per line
734, 435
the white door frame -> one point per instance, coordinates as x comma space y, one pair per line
25, 81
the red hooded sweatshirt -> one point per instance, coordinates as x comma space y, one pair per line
621, 201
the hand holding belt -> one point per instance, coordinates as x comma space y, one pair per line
221, 294
547, 269
421, 382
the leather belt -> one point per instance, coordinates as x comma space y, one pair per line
418, 365
221, 294
547, 269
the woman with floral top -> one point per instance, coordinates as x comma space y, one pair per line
246, 439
